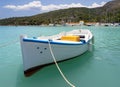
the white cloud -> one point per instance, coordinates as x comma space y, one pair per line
38, 5
94, 5
30, 5
61, 6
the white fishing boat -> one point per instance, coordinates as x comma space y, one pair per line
36, 51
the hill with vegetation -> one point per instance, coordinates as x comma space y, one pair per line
110, 12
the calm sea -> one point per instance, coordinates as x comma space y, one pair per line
98, 68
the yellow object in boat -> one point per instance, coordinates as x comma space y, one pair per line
71, 38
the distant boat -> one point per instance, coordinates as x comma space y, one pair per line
65, 45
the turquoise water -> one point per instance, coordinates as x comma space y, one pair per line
99, 68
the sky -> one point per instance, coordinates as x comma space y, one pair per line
19, 8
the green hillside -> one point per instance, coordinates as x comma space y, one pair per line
110, 12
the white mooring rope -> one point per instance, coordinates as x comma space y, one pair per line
58, 65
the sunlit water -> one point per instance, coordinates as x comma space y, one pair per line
98, 68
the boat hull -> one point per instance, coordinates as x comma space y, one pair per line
38, 54
39, 51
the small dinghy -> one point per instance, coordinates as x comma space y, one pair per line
36, 51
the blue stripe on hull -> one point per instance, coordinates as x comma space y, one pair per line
53, 42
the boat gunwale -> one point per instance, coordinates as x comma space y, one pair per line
54, 42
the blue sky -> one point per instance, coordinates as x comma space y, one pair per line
17, 8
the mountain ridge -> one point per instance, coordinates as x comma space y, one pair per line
110, 12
